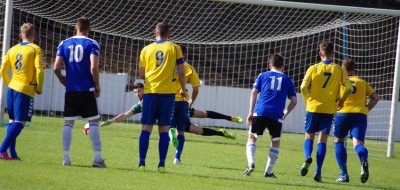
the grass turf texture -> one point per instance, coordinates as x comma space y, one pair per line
208, 162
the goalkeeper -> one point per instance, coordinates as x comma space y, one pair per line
191, 128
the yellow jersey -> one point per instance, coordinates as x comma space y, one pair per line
192, 77
325, 80
159, 61
27, 74
356, 102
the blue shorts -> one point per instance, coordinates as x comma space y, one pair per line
19, 106
157, 107
181, 115
316, 122
355, 123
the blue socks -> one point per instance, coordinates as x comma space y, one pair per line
179, 149
320, 156
163, 148
13, 131
308, 148
341, 157
362, 153
144, 146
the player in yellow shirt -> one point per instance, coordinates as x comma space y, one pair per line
158, 62
320, 89
26, 63
353, 118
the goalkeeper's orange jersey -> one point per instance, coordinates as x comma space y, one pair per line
325, 80
159, 61
192, 77
356, 102
27, 74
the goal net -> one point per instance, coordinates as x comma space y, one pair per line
228, 44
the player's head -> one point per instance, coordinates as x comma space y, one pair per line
276, 61
162, 30
138, 89
82, 25
184, 50
349, 65
326, 49
28, 32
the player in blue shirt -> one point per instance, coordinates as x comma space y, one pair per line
81, 57
274, 87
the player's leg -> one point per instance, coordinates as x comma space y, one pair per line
358, 133
10, 109
22, 112
310, 129
324, 123
256, 130
182, 119
147, 120
165, 111
215, 115
66, 140
89, 112
71, 113
195, 129
275, 130
341, 128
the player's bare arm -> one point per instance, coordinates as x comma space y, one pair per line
94, 69
182, 79
141, 72
374, 99
57, 70
253, 98
195, 92
346, 94
292, 104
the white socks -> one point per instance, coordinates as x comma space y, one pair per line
96, 141
66, 140
272, 157
250, 152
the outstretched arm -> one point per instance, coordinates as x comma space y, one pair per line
118, 118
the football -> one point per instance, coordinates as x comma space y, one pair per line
86, 129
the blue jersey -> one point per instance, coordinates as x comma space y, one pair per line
274, 87
76, 53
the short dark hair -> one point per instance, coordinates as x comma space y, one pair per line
138, 85
276, 60
184, 49
349, 65
326, 48
82, 24
162, 29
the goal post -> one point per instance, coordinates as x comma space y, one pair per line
5, 46
228, 44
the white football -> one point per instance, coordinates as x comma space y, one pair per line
86, 129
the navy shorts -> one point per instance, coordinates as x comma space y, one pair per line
19, 106
318, 122
355, 123
157, 107
181, 115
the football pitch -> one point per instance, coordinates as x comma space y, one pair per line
208, 162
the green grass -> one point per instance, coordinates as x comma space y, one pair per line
208, 163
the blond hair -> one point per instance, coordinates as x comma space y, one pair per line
28, 30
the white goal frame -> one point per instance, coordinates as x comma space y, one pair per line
297, 5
